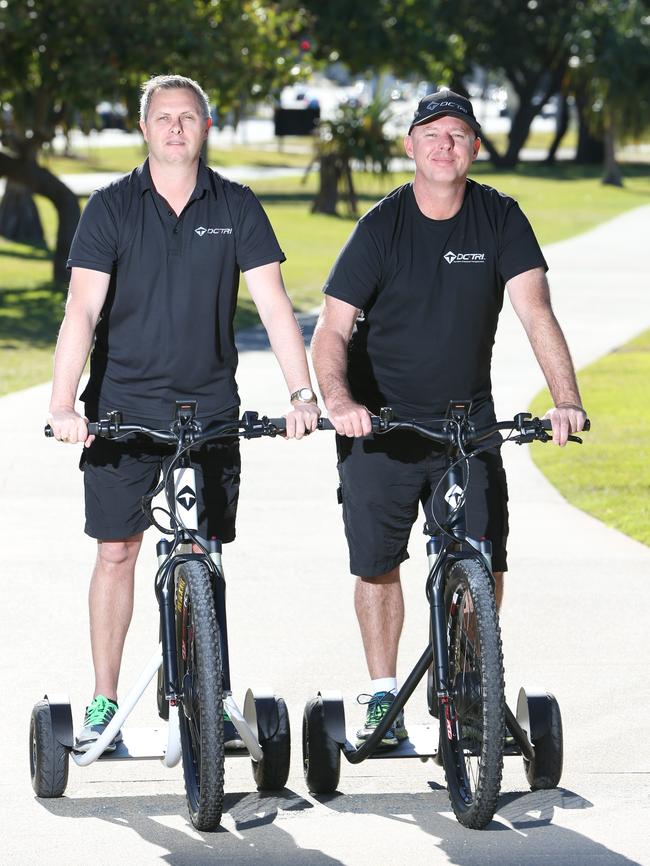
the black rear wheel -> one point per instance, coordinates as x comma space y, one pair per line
201, 706
48, 759
272, 772
320, 753
472, 723
545, 770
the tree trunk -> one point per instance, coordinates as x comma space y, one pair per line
488, 144
611, 170
42, 182
351, 194
562, 124
591, 148
19, 217
520, 129
328, 191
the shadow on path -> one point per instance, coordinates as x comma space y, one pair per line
522, 832
248, 834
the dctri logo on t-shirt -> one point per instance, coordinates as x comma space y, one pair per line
464, 258
203, 231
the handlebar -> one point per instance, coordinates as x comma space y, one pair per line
462, 432
445, 431
249, 426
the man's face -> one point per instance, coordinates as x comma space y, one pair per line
175, 129
443, 149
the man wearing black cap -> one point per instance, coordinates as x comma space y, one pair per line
422, 277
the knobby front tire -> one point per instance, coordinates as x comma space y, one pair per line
473, 723
201, 706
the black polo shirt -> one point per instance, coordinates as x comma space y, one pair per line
166, 329
431, 292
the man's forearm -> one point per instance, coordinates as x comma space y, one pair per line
288, 345
329, 351
72, 349
552, 353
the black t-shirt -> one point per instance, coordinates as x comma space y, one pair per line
430, 292
166, 330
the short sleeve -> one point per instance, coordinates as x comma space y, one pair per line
94, 245
255, 239
519, 249
356, 273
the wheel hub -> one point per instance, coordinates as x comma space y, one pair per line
467, 694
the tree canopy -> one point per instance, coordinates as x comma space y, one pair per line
61, 59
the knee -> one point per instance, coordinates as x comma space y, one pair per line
116, 555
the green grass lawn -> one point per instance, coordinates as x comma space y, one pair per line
560, 202
609, 476
123, 159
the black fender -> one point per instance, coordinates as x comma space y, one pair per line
334, 715
533, 712
61, 714
261, 713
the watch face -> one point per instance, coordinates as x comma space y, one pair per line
304, 395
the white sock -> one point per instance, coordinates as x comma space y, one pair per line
384, 684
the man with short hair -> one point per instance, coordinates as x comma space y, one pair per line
426, 268
155, 266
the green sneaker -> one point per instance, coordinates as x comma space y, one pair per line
378, 706
98, 714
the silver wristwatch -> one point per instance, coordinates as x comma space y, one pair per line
303, 395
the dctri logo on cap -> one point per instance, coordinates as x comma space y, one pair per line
448, 104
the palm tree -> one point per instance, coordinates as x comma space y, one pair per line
355, 139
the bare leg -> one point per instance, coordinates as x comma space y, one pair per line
498, 587
379, 604
110, 601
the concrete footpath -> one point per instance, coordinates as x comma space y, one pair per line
575, 620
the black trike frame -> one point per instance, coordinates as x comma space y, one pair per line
459, 545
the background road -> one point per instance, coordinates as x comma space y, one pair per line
575, 620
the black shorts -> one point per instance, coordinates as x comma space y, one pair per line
383, 480
118, 474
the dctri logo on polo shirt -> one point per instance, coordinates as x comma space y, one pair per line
464, 258
203, 231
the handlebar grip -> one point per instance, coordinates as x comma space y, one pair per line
546, 424
93, 429
326, 424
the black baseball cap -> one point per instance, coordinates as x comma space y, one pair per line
445, 103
